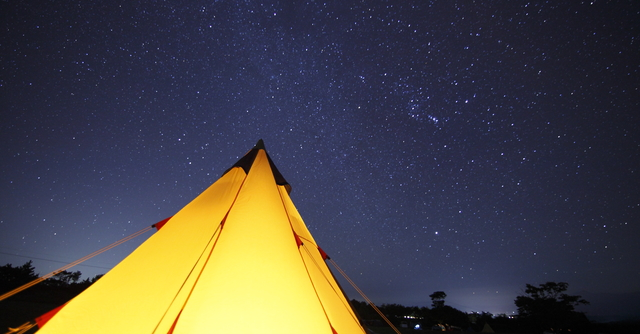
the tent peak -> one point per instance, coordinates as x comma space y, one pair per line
247, 161
260, 145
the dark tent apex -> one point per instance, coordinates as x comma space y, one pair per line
247, 161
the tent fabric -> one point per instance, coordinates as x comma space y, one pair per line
487, 328
237, 259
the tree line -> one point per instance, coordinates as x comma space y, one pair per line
12, 277
38, 299
543, 308
546, 307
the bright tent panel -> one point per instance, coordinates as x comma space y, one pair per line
256, 266
333, 299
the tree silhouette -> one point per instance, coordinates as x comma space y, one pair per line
437, 299
12, 277
38, 299
548, 307
64, 279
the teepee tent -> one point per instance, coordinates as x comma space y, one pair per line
487, 328
237, 259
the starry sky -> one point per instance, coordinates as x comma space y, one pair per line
465, 146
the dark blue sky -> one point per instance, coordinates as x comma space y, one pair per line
465, 146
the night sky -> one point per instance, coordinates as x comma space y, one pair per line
465, 146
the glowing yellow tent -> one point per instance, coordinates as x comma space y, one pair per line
237, 259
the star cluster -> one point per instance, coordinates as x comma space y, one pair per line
464, 146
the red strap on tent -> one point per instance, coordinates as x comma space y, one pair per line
324, 255
41, 320
298, 240
161, 223
175, 322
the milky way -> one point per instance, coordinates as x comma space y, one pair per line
463, 146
